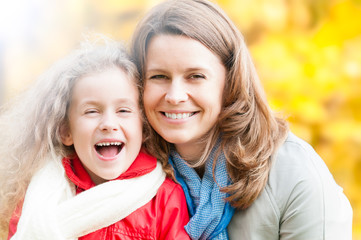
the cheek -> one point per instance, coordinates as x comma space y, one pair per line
218, 91
140, 126
211, 96
150, 96
83, 128
147, 106
134, 134
134, 127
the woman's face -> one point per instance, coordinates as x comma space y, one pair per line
183, 89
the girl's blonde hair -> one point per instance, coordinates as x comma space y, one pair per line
250, 132
30, 125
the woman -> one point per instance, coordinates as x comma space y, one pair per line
244, 174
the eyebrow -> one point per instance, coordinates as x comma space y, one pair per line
124, 101
190, 69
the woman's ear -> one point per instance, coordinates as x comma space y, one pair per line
65, 135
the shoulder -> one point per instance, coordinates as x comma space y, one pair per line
172, 206
296, 172
300, 192
296, 161
14, 220
170, 196
170, 189
305, 193
296, 153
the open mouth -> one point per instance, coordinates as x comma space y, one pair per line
179, 115
109, 149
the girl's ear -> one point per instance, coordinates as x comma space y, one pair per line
65, 135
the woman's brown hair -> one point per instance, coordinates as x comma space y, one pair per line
249, 130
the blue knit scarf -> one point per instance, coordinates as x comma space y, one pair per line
210, 214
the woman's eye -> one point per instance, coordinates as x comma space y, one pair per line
158, 77
197, 76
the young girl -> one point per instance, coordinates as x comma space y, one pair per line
71, 157
244, 174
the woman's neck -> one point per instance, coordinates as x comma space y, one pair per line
200, 171
192, 154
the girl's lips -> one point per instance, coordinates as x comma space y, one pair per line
108, 150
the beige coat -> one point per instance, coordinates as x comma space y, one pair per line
301, 201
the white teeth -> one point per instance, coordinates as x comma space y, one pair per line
178, 115
108, 144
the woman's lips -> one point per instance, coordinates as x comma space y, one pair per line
179, 115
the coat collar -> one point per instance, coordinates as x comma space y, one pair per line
77, 174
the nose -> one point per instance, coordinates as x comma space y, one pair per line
176, 92
109, 122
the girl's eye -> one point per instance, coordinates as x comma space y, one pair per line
124, 110
90, 111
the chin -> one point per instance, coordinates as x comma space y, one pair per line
177, 140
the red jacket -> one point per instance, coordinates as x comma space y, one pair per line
163, 217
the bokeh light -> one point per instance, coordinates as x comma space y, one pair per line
307, 54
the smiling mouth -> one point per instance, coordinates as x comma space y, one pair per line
179, 115
109, 149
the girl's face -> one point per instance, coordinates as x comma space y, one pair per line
183, 88
105, 124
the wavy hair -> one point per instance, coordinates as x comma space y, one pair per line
30, 124
249, 130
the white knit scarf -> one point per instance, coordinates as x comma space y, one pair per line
51, 210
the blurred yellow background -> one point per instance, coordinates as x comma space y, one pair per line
308, 55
